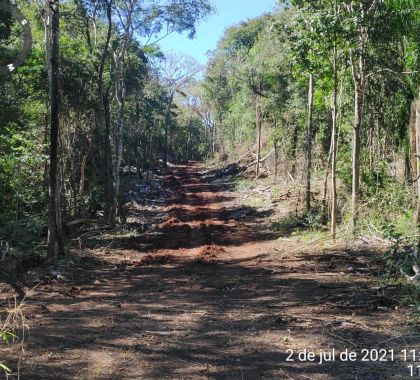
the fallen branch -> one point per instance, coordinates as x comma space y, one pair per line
318, 240
291, 177
262, 159
245, 155
281, 197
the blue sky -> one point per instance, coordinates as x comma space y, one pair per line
228, 12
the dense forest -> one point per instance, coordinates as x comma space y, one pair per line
332, 90
316, 98
105, 96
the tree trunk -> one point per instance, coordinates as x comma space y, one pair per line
53, 76
83, 166
294, 148
119, 144
103, 95
327, 174
165, 151
309, 143
356, 148
276, 158
149, 154
258, 126
213, 139
358, 73
109, 193
120, 92
355, 161
334, 151
167, 122
412, 175
417, 126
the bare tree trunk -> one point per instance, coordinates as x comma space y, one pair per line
103, 95
258, 126
356, 151
327, 174
355, 161
309, 143
83, 166
334, 151
358, 73
276, 158
213, 139
120, 92
149, 155
417, 126
167, 122
165, 152
109, 193
412, 175
119, 145
53, 76
294, 149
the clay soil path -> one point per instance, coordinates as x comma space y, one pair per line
210, 293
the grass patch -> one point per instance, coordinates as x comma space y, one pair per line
310, 235
245, 184
256, 202
277, 190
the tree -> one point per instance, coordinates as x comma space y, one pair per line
305, 55
177, 72
54, 208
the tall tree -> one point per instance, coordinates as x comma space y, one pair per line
308, 150
53, 56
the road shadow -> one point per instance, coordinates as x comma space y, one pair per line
189, 319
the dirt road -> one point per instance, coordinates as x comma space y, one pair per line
210, 293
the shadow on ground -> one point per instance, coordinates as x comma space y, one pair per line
208, 316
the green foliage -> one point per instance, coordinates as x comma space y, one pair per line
400, 255
312, 221
10, 38
24, 108
24, 232
251, 61
316, 218
4, 368
288, 225
245, 184
7, 337
390, 208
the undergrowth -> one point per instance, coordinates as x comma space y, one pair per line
23, 233
399, 259
13, 329
315, 220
